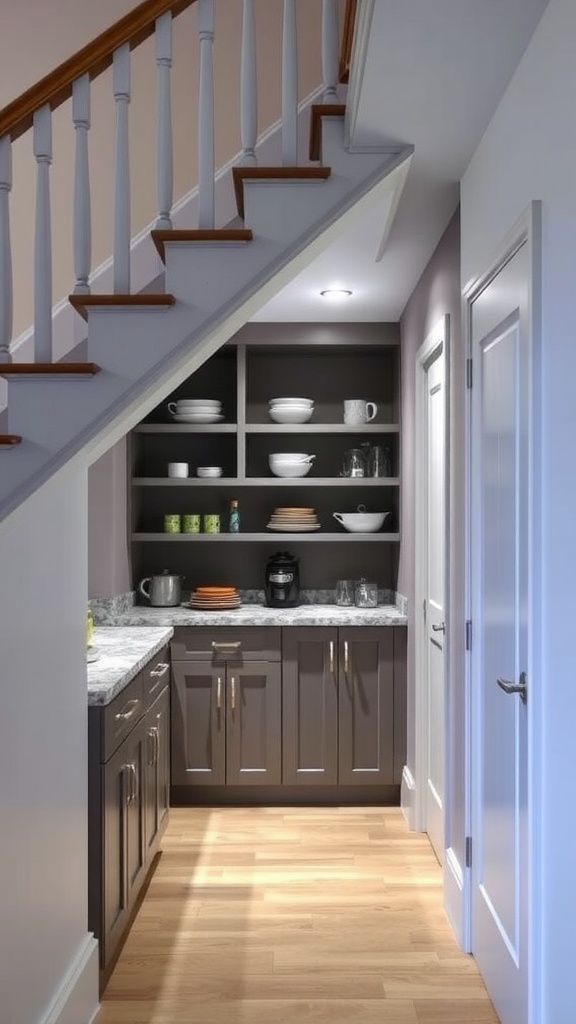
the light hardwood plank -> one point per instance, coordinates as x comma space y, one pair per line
294, 916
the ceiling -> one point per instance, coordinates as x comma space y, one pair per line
434, 73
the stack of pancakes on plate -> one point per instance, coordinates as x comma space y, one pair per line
214, 598
294, 520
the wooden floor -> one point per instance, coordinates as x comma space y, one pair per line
294, 916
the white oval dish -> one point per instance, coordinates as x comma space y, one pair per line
290, 413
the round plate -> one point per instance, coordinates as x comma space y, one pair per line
293, 527
198, 417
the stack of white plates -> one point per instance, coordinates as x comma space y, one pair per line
290, 410
196, 410
294, 520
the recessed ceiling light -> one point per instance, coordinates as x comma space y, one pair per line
336, 294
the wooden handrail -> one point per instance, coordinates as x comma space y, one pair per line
347, 37
56, 87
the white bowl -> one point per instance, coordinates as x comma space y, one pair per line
290, 457
198, 403
306, 402
361, 522
290, 413
290, 469
206, 471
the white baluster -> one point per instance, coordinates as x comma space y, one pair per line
121, 87
248, 88
330, 54
82, 219
42, 239
206, 116
289, 86
164, 157
5, 250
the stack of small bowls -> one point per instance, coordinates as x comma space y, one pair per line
290, 464
290, 410
196, 410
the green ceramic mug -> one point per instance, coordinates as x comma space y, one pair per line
172, 524
191, 523
211, 523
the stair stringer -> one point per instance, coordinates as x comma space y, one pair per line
144, 354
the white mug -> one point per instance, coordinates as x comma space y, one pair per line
177, 469
357, 411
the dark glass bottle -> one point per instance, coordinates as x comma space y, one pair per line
234, 520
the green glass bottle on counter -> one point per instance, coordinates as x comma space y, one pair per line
234, 520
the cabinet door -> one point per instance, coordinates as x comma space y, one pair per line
157, 726
254, 725
124, 854
310, 706
198, 724
366, 706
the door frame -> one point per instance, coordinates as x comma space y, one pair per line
439, 338
527, 230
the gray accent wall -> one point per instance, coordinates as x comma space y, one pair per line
438, 293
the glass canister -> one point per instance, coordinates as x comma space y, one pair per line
365, 594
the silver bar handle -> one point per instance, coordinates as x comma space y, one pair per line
233, 685
332, 657
219, 694
160, 670
125, 715
221, 645
519, 687
135, 777
346, 657
127, 774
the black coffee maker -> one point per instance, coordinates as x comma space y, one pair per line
282, 584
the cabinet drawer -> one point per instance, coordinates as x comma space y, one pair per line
156, 675
121, 715
225, 643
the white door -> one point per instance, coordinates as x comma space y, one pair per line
430, 580
500, 348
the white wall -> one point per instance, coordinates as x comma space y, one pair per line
529, 152
44, 943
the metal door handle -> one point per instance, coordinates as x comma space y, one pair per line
346, 658
135, 777
438, 627
233, 684
332, 657
519, 687
221, 645
161, 669
219, 694
126, 715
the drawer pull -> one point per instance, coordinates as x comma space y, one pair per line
219, 694
154, 735
160, 670
125, 716
220, 645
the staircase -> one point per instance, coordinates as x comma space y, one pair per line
210, 281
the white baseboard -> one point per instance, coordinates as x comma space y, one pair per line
408, 798
454, 903
77, 1001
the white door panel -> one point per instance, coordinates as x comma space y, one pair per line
499, 545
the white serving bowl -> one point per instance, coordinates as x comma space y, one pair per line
361, 522
198, 403
290, 413
290, 456
208, 471
290, 469
307, 402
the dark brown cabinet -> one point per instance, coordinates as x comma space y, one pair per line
343, 705
226, 707
128, 794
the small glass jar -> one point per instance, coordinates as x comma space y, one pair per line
366, 594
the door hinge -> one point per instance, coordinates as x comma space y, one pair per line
468, 373
468, 851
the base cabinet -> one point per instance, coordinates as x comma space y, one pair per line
339, 692
128, 799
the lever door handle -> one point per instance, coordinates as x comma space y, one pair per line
519, 687
438, 627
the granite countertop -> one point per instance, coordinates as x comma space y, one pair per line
122, 651
259, 615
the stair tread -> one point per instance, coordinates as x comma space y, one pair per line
233, 235
9, 440
49, 369
82, 303
318, 111
242, 174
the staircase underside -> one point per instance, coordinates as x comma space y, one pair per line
213, 285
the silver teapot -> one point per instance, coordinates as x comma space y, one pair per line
163, 591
